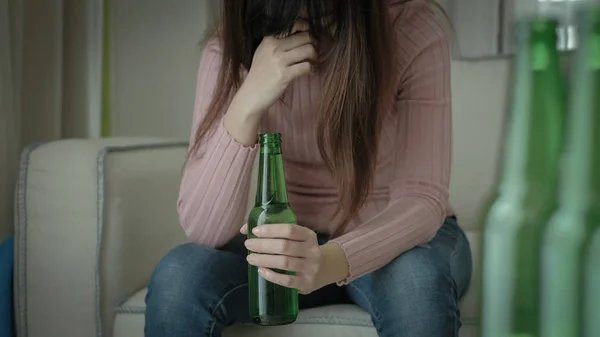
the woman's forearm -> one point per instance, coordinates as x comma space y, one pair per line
334, 266
242, 123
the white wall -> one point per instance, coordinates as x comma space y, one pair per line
9, 121
478, 27
155, 53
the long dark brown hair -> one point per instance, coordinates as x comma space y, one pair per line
358, 69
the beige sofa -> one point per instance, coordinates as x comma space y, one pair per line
95, 216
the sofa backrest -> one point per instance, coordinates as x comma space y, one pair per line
480, 101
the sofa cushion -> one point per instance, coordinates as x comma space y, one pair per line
332, 320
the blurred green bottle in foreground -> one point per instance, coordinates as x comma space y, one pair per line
270, 304
526, 193
571, 253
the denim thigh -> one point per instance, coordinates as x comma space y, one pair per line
417, 293
198, 291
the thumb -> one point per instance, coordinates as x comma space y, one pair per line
299, 26
244, 229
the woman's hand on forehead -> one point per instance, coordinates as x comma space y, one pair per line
300, 26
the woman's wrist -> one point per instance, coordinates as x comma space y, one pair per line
242, 123
334, 265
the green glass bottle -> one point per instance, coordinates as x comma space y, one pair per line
571, 251
526, 193
270, 304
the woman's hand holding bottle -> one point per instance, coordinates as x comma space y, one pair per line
286, 247
276, 63
295, 248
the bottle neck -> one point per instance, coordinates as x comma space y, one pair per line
271, 188
534, 140
581, 181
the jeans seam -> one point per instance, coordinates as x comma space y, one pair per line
463, 240
455, 304
457, 319
459, 239
212, 316
456, 245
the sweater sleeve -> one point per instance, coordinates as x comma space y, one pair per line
214, 189
419, 188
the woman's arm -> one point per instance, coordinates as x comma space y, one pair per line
420, 187
215, 184
214, 189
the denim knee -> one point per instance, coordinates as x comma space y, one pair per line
417, 295
418, 279
175, 280
187, 290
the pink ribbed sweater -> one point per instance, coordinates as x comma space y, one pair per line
409, 200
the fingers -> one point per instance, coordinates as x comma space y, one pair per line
291, 248
289, 281
279, 262
294, 41
303, 53
284, 231
278, 246
299, 69
300, 26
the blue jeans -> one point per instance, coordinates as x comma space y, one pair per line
197, 291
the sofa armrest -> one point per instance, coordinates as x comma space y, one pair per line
93, 219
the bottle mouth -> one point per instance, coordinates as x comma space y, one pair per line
270, 138
536, 28
543, 25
